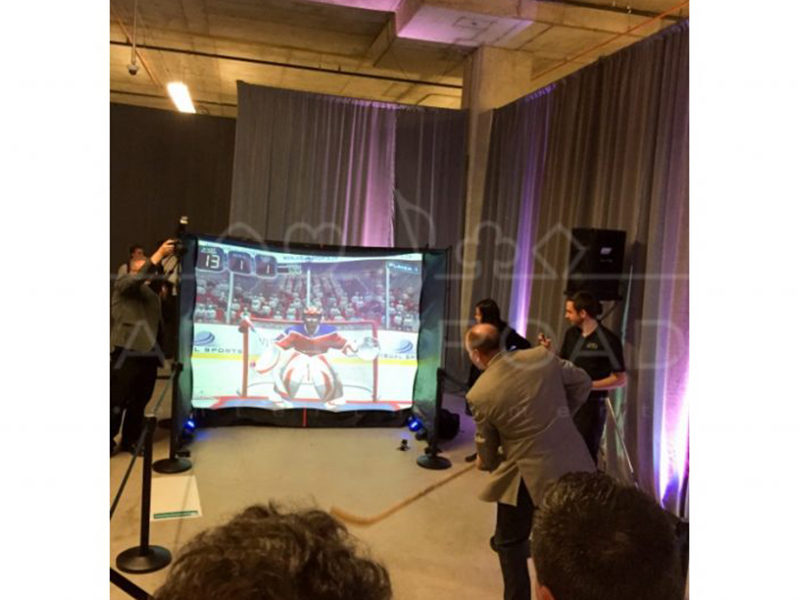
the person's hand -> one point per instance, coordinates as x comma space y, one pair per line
164, 250
479, 463
545, 341
167, 248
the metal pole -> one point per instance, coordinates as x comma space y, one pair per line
145, 558
176, 464
621, 441
147, 484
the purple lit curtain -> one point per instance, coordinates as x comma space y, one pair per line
507, 233
312, 168
606, 147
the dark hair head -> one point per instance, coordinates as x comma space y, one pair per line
585, 301
133, 248
266, 554
490, 313
594, 539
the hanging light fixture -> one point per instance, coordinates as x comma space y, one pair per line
133, 68
180, 96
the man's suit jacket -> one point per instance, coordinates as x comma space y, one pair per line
135, 311
523, 402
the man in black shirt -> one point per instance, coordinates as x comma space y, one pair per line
598, 351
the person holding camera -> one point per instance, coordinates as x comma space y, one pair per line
135, 345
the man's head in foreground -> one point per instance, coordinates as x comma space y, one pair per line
594, 539
482, 342
266, 554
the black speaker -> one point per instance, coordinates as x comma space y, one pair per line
449, 424
596, 257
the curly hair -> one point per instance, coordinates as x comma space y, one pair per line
594, 539
266, 554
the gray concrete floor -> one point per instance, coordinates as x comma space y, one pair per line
436, 547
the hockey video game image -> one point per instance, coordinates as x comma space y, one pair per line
277, 330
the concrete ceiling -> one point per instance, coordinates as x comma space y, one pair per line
407, 51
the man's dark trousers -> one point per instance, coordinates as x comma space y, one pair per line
590, 420
133, 377
511, 541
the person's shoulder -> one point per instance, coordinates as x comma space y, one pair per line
513, 338
529, 357
607, 332
534, 353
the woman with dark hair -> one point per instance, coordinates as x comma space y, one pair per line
487, 311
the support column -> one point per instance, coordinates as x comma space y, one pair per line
493, 77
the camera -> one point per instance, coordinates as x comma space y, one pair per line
133, 68
179, 248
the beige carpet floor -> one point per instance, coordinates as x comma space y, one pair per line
437, 547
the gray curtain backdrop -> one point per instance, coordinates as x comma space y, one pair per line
506, 235
163, 165
324, 169
312, 168
616, 157
430, 177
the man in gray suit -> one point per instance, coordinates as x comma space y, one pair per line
135, 351
523, 403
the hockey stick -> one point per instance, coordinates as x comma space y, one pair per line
357, 520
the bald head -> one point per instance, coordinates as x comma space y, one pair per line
482, 342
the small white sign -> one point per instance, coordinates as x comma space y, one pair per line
174, 497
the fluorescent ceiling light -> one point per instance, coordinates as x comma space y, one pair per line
180, 96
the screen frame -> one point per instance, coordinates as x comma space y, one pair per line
422, 404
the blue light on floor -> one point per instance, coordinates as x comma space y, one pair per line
414, 424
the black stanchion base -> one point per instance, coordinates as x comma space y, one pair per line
133, 561
433, 461
172, 465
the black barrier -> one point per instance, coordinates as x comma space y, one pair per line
184, 306
145, 558
127, 586
432, 313
431, 458
136, 451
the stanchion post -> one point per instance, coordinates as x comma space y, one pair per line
431, 458
175, 463
145, 558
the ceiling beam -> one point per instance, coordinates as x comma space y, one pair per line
625, 10
272, 63
168, 99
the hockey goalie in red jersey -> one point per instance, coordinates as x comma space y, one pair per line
298, 355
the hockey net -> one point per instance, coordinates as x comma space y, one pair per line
359, 377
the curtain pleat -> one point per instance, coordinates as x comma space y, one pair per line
312, 168
606, 147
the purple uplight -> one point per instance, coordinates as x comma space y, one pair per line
534, 157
